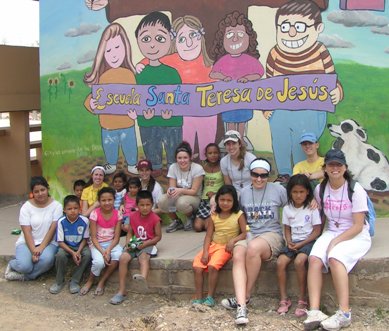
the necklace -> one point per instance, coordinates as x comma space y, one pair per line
184, 183
340, 205
255, 213
241, 174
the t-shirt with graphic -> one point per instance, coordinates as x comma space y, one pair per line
262, 207
339, 209
301, 221
105, 229
159, 75
143, 226
185, 178
72, 233
212, 182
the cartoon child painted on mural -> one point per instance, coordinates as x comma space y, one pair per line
113, 64
190, 58
236, 58
298, 25
154, 38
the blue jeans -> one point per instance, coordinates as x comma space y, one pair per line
112, 140
24, 265
157, 138
286, 128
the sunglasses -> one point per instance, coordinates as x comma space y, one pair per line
255, 175
234, 136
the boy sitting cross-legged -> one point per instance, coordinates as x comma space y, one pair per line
72, 234
145, 225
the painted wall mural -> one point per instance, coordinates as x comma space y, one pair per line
121, 81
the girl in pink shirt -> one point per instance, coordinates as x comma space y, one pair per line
105, 225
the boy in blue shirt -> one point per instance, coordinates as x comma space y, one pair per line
72, 235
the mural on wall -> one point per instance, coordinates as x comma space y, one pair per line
120, 82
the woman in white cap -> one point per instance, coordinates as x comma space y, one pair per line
235, 165
261, 201
339, 248
96, 182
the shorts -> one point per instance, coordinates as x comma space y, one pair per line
348, 252
217, 257
204, 210
306, 249
274, 240
150, 250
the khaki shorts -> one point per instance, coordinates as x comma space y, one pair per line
274, 240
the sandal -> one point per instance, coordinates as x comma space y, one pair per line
301, 309
117, 299
84, 290
99, 291
283, 307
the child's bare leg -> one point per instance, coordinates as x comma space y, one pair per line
125, 258
107, 272
301, 269
144, 264
199, 224
213, 275
282, 263
198, 279
88, 285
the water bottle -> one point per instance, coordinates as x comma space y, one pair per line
172, 202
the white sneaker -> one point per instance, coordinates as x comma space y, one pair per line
12, 274
109, 168
314, 317
132, 169
241, 315
336, 322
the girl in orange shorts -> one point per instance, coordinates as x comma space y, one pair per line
225, 227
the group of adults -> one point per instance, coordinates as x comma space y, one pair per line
339, 248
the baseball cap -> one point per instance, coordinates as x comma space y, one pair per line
231, 135
335, 155
308, 136
144, 164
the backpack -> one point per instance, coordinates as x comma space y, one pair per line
370, 214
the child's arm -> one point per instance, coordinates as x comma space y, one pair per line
157, 237
207, 241
242, 225
93, 236
74, 254
86, 211
314, 234
288, 236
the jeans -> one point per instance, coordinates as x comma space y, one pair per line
24, 265
61, 261
112, 140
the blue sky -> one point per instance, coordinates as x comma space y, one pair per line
58, 51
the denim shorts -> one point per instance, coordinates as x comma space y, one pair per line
306, 249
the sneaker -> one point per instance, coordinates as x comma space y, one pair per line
174, 226
56, 288
209, 301
12, 274
231, 303
314, 317
132, 169
241, 315
282, 178
109, 168
189, 224
195, 302
336, 321
74, 288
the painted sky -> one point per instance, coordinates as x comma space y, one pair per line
71, 43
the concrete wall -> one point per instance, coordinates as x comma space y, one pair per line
19, 94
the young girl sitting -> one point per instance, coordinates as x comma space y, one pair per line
133, 187
302, 226
228, 226
104, 223
213, 180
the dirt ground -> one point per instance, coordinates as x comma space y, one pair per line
30, 306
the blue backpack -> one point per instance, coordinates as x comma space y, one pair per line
370, 214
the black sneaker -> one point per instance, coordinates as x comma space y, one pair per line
174, 226
231, 303
189, 223
282, 178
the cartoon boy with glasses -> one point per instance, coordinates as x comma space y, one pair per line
299, 24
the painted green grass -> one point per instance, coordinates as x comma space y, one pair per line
67, 125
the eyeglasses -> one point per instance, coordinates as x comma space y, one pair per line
256, 175
299, 26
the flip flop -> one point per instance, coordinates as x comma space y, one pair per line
141, 282
99, 291
117, 299
84, 290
